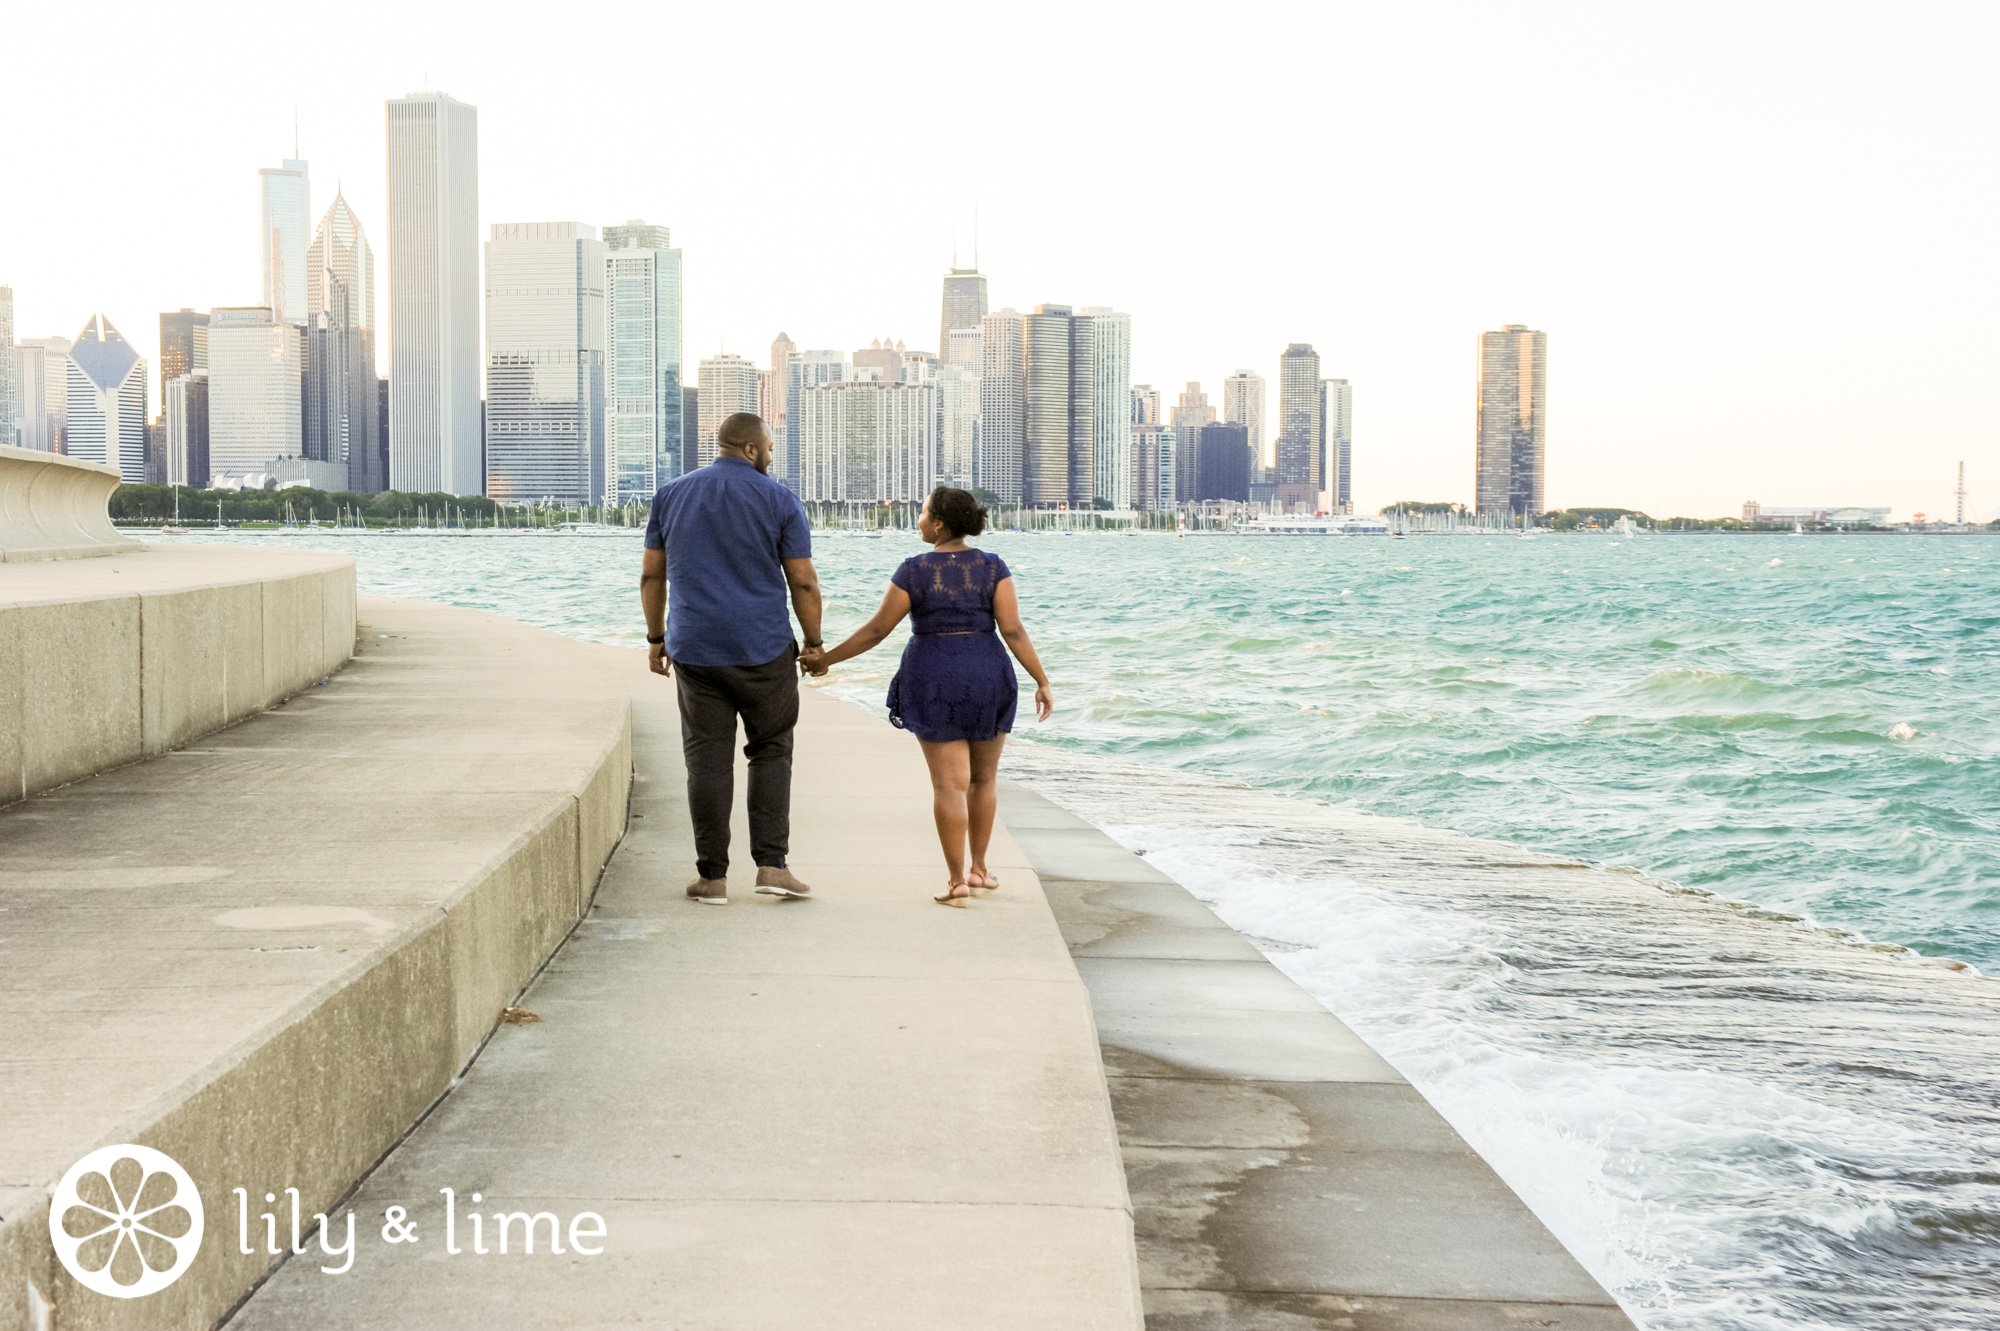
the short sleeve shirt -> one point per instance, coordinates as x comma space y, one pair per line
727, 530
951, 591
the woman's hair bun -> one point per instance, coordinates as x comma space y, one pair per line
958, 511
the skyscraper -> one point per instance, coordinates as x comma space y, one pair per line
1154, 458
184, 396
256, 363
961, 349
183, 346
107, 401
867, 440
1191, 413
1107, 424
1224, 457
1046, 357
958, 425
803, 370
284, 215
964, 303
728, 385
9, 373
1300, 472
545, 363
185, 416
690, 425
776, 388
642, 361
341, 412
1243, 400
1336, 417
434, 410
1148, 408
999, 463
883, 358
1511, 429
41, 402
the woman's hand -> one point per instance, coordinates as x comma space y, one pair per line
812, 661
1045, 702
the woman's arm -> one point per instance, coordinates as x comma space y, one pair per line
895, 604
1007, 614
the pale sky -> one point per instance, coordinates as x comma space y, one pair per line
1761, 237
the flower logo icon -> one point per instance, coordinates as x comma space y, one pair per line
126, 1221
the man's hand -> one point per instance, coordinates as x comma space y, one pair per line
657, 660
809, 662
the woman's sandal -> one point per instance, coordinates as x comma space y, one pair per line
952, 898
987, 882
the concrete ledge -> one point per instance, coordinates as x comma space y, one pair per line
854, 1113
270, 954
106, 661
1284, 1176
53, 507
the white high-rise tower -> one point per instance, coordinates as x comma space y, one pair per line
434, 435
545, 362
1110, 368
284, 215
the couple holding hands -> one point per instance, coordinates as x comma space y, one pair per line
733, 542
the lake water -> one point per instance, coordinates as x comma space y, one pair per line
1757, 1095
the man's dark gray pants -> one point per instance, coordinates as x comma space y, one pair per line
766, 697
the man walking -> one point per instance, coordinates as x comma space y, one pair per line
732, 540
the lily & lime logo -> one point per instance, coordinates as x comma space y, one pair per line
126, 1221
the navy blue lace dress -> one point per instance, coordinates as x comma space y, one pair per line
956, 680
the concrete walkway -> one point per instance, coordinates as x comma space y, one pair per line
1284, 1177
859, 1111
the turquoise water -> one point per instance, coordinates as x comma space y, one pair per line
1805, 722
1742, 1119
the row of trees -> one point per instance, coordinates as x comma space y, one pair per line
144, 504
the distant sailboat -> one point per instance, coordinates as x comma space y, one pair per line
174, 528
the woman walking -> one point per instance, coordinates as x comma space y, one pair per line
955, 690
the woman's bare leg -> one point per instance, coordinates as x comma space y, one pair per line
951, 776
982, 800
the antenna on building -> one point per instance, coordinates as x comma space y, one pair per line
975, 237
1961, 493
954, 240
295, 131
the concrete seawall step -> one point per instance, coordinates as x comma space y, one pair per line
861, 1112
106, 661
1283, 1176
268, 953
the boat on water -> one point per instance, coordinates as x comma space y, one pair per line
1339, 524
174, 528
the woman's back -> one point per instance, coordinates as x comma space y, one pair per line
951, 591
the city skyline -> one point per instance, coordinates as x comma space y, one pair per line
1709, 186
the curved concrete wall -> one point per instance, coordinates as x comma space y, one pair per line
53, 507
106, 661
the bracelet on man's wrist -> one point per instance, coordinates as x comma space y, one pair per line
656, 642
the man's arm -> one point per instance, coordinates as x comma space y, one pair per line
653, 599
805, 597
